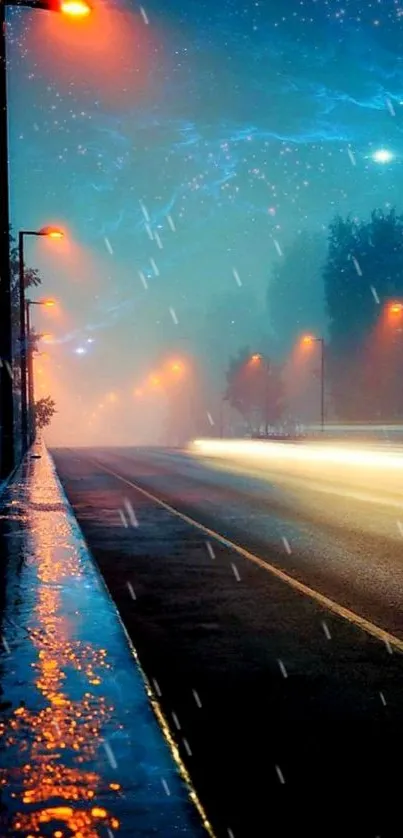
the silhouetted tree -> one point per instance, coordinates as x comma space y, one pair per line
295, 296
363, 271
45, 409
31, 280
254, 388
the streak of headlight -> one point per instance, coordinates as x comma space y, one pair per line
275, 452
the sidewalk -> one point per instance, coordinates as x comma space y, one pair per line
81, 751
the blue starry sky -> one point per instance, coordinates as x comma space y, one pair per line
183, 154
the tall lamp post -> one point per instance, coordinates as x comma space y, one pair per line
31, 425
259, 359
309, 340
74, 8
52, 233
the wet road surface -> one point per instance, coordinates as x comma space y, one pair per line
287, 714
81, 753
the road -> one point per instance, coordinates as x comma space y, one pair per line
266, 607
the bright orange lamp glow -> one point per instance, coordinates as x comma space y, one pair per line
177, 367
48, 303
396, 308
75, 8
51, 232
255, 359
307, 339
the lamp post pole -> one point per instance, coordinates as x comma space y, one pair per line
309, 340
23, 343
322, 383
51, 232
30, 370
7, 448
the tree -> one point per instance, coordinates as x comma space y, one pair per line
31, 280
295, 296
45, 409
254, 388
363, 270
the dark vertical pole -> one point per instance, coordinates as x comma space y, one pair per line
31, 395
322, 384
267, 396
23, 343
6, 382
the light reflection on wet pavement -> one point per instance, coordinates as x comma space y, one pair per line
81, 753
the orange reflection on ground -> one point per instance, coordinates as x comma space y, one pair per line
59, 743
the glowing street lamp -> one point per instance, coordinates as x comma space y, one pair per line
155, 381
49, 232
395, 309
309, 340
52, 233
75, 8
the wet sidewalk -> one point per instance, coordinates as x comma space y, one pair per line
81, 751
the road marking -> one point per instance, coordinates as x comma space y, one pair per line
330, 605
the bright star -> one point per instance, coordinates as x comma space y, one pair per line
382, 155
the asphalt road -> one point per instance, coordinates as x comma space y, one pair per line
287, 713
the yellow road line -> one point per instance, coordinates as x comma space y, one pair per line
324, 601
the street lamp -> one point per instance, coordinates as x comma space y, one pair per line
256, 360
7, 442
52, 233
31, 426
395, 309
308, 340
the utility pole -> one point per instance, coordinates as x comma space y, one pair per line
23, 342
7, 447
322, 383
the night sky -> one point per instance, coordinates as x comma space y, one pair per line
182, 145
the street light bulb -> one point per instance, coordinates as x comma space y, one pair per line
75, 8
396, 308
51, 232
256, 358
177, 367
307, 339
48, 303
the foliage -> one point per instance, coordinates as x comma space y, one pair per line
363, 271
254, 388
31, 280
45, 409
295, 296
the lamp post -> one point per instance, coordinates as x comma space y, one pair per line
73, 8
52, 233
31, 426
259, 359
308, 340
